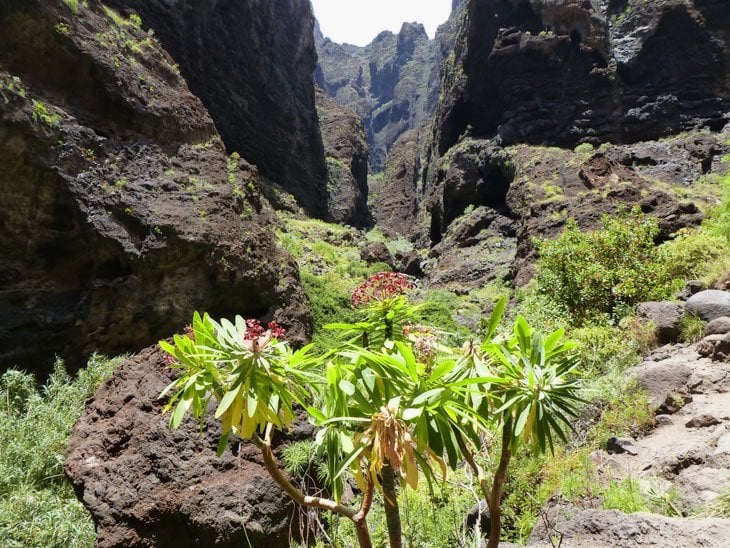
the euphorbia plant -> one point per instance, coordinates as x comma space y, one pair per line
392, 403
532, 391
256, 379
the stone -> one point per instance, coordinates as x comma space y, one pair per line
617, 446
663, 380
147, 485
674, 402
718, 326
709, 304
690, 288
589, 528
376, 252
409, 263
478, 516
702, 421
666, 317
663, 420
715, 347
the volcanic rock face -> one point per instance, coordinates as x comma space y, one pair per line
147, 485
396, 204
251, 62
570, 71
121, 212
347, 162
392, 83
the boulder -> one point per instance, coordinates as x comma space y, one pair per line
123, 213
376, 252
702, 421
147, 485
718, 326
478, 517
617, 446
709, 304
589, 528
715, 347
666, 317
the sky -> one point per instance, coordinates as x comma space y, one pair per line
359, 21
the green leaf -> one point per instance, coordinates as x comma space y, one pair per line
495, 318
180, 410
226, 401
223, 444
347, 387
412, 413
425, 396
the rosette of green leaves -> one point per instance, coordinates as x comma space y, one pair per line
535, 394
382, 320
255, 382
428, 404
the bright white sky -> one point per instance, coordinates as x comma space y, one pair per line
359, 21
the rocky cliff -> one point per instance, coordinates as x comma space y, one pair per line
122, 213
526, 76
251, 63
392, 83
571, 71
346, 153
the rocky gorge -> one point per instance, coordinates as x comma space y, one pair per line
158, 158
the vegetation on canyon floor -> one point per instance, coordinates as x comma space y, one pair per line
608, 341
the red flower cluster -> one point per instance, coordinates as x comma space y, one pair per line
254, 330
382, 286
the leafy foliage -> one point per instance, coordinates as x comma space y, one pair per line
393, 399
605, 272
255, 378
37, 505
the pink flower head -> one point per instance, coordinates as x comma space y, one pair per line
254, 330
277, 332
382, 286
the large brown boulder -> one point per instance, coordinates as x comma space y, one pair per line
121, 211
147, 485
347, 162
251, 62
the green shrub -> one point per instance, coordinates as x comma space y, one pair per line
691, 328
329, 302
694, 253
625, 496
605, 272
37, 505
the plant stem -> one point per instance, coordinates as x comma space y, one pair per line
357, 516
359, 519
494, 502
392, 512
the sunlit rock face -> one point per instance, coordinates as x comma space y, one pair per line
251, 62
392, 83
121, 211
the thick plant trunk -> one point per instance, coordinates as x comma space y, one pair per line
494, 501
392, 512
